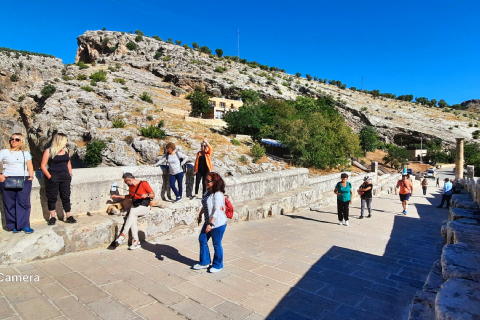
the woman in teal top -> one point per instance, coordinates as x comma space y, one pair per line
344, 193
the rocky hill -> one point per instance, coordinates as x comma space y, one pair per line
167, 72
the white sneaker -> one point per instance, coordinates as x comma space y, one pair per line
214, 270
346, 223
200, 267
120, 239
135, 245
340, 222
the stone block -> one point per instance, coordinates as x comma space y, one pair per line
443, 230
461, 261
464, 230
434, 279
459, 213
458, 299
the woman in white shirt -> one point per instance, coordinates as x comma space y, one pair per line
17, 163
213, 208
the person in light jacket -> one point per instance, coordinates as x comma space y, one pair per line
17, 163
176, 160
213, 208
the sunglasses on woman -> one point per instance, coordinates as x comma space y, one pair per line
208, 181
15, 139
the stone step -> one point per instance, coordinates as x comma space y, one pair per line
423, 305
460, 213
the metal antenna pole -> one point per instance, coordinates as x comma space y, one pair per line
238, 43
421, 149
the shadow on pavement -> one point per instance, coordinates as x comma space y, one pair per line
350, 284
306, 218
162, 250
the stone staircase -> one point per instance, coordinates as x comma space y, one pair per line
452, 289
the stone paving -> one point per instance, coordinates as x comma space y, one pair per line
297, 266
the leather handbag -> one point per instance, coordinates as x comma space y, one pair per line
16, 183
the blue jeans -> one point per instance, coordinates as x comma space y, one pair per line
217, 236
173, 178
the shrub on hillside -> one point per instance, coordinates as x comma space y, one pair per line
243, 160
138, 32
235, 142
138, 39
81, 65
178, 42
167, 58
257, 150
113, 49
93, 155
118, 123
220, 69
205, 49
14, 78
132, 45
186, 46
146, 97
169, 40
21, 98
157, 38
219, 52
48, 90
82, 77
119, 80
99, 76
153, 132
87, 88
158, 55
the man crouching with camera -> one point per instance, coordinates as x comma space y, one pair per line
141, 194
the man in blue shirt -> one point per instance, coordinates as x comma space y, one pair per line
446, 193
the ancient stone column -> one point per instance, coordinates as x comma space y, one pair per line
374, 166
459, 160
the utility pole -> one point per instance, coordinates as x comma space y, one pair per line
238, 43
421, 149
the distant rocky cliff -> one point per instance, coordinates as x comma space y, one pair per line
88, 111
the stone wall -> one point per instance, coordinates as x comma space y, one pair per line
91, 187
452, 289
256, 196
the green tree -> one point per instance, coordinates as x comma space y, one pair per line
298, 74
250, 97
219, 52
205, 49
178, 42
199, 103
138, 32
368, 139
132, 45
442, 104
157, 38
138, 38
169, 40
195, 45
309, 77
395, 156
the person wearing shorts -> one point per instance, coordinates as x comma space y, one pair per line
406, 190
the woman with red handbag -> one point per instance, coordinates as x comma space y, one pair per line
365, 193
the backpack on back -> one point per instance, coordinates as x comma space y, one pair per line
228, 208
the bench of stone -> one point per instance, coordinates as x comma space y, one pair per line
458, 299
460, 213
464, 230
461, 261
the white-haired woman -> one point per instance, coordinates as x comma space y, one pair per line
58, 176
366, 196
17, 165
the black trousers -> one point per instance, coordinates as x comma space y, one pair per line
342, 209
447, 198
59, 181
201, 176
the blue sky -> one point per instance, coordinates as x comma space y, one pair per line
425, 48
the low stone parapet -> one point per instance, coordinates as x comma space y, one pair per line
452, 290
